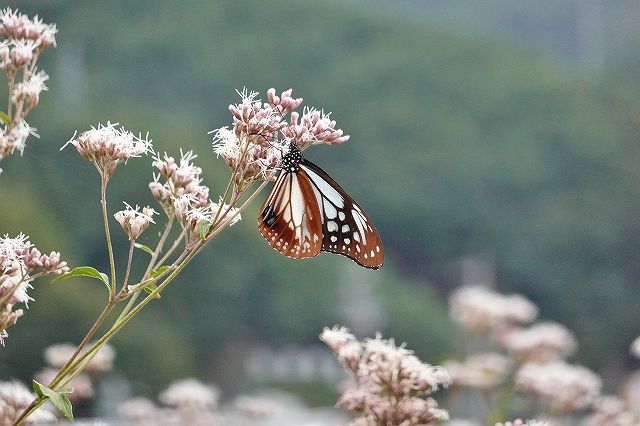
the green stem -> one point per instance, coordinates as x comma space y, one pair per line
158, 250
103, 193
125, 317
126, 275
173, 247
38, 402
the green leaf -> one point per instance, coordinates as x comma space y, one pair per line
203, 228
4, 117
159, 271
57, 398
147, 285
86, 271
149, 288
143, 248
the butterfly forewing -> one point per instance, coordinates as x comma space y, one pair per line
346, 228
290, 218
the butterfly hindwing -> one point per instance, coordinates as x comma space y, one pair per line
290, 218
346, 228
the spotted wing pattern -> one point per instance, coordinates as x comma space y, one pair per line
290, 218
346, 228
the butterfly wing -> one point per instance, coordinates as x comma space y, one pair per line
346, 228
290, 219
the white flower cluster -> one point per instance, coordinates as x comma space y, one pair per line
390, 381
480, 371
106, 146
480, 310
133, 221
24, 41
564, 387
260, 135
15, 397
188, 401
542, 342
19, 259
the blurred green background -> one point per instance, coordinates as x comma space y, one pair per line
503, 136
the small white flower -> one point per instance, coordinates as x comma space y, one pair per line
226, 144
29, 90
563, 386
107, 146
336, 337
133, 221
190, 394
12, 251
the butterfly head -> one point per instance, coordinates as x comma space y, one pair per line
292, 159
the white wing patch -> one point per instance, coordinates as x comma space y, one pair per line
327, 190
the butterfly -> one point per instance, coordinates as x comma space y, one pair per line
307, 212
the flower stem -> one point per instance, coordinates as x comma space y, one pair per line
126, 275
77, 362
158, 250
103, 193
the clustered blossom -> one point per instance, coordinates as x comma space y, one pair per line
24, 40
480, 371
191, 215
106, 146
190, 394
18, 26
20, 263
14, 398
564, 387
542, 342
179, 179
478, 309
133, 221
389, 381
610, 410
193, 401
260, 134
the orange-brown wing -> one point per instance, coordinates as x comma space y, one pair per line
346, 229
290, 218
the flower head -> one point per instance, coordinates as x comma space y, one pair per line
15, 397
313, 128
190, 394
107, 146
389, 381
480, 371
29, 90
14, 138
18, 259
260, 135
564, 387
180, 178
480, 310
543, 342
133, 221
16, 25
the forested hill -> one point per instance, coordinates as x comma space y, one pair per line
457, 147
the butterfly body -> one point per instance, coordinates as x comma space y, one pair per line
307, 212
